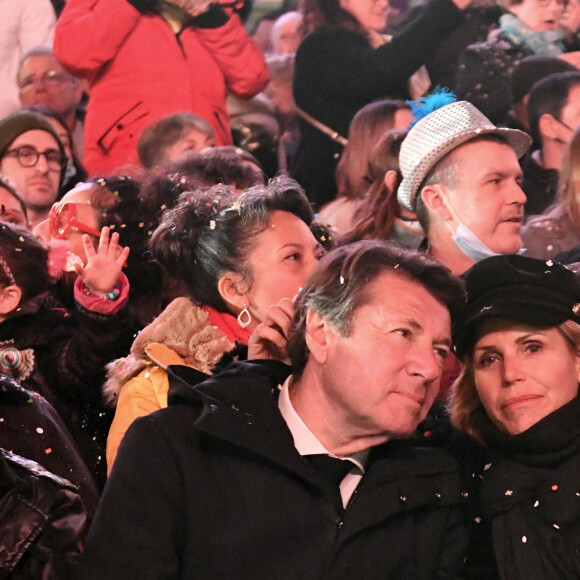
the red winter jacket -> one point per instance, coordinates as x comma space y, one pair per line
140, 71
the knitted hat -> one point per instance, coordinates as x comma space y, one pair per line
16, 124
532, 69
438, 134
541, 294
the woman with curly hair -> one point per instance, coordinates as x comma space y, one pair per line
237, 257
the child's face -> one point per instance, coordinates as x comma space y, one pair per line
82, 214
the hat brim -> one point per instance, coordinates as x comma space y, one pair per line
518, 140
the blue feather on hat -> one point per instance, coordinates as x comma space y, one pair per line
439, 97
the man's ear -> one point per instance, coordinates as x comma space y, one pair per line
434, 200
549, 127
10, 297
232, 289
319, 336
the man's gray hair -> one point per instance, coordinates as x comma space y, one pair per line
40, 50
339, 286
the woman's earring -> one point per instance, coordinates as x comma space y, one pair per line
244, 317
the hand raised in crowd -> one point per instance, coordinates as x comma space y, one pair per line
270, 338
101, 272
192, 7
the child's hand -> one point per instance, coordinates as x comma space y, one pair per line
101, 272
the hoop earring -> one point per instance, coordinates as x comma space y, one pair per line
245, 312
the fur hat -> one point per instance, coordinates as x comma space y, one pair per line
541, 294
439, 133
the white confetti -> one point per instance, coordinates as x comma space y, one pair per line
509, 492
524, 539
536, 503
39, 430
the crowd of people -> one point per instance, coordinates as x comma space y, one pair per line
290, 295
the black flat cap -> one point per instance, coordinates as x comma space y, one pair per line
541, 294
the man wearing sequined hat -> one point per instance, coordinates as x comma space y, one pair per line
462, 178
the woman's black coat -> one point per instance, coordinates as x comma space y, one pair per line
338, 72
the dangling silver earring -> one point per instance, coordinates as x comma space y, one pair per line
248, 317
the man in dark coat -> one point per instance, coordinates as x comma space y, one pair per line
239, 476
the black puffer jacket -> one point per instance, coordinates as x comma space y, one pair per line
31, 428
42, 522
62, 354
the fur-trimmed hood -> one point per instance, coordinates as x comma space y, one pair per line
182, 327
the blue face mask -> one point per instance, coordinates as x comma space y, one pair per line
471, 245
468, 242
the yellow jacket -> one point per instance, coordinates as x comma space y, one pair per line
181, 335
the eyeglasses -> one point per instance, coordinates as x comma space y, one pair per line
51, 78
28, 156
62, 221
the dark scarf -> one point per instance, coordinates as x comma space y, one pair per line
530, 494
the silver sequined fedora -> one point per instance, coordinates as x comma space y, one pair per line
439, 133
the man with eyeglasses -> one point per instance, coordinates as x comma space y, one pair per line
32, 156
554, 114
43, 81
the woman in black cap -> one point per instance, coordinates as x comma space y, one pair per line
519, 337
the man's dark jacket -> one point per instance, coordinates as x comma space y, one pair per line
213, 487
